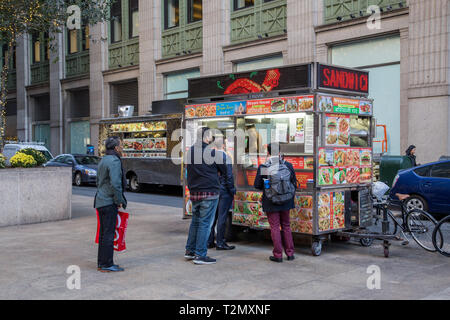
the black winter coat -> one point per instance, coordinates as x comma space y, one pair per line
204, 176
269, 206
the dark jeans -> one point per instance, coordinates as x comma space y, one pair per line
225, 202
281, 237
202, 220
108, 221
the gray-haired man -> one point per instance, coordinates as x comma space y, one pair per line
111, 184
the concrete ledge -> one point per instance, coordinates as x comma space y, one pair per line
35, 195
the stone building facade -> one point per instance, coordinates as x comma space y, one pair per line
153, 46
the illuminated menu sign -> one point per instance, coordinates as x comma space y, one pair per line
259, 81
337, 78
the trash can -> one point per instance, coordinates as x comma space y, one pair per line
389, 166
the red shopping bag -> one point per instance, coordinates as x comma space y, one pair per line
121, 229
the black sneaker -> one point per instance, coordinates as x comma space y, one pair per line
272, 258
290, 258
189, 255
204, 260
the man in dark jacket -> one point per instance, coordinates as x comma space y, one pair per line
111, 184
278, 214
203, 168
227, 192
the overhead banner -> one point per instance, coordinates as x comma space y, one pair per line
251, 82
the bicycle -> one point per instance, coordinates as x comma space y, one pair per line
442, 228
415, 222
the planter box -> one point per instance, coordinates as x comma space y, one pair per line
35, 195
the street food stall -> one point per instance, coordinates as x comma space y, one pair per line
322, 119
149, 154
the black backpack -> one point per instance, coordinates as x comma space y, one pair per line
281, 188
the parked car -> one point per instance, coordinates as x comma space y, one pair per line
11, 149
84, 167
428, 186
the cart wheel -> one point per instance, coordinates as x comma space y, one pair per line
316, 248
386, 252
386, 245
366, 242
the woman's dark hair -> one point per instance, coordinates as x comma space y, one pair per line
112, 142
410, 148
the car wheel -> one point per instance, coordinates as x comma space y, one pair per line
416, 202
78, 181
134, 184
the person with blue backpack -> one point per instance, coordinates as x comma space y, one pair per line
276, 177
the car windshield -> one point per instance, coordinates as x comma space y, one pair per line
47, 155
87, 159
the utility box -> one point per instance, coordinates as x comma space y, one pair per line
389, 166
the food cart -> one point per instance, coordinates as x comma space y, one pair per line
149, 154
322, 119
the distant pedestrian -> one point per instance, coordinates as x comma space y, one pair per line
411, 154
227, 192
277, 178
111, 184
203, 182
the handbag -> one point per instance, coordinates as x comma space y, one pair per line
120, 232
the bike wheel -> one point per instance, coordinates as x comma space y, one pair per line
421, 226
441, 237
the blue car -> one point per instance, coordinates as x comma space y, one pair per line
428, 186
84, 167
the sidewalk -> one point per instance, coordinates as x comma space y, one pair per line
35, 258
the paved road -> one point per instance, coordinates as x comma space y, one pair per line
170, 197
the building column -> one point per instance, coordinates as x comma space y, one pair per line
302, 16
56, 65
428, 93
404, 82
215, 15
23, 80
149, 51
97, 63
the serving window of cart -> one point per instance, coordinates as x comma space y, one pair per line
324, 132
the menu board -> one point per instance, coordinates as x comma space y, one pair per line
337, 130
301, 162
345, 105
309, 134
331, 210
302, 215
146, 144
260, 106
139, 126
345, 166
248, 211
201, 110
303, 177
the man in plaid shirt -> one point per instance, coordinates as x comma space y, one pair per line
203, 168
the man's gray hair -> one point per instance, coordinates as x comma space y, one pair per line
112, 142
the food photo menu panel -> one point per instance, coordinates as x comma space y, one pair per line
345, 166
